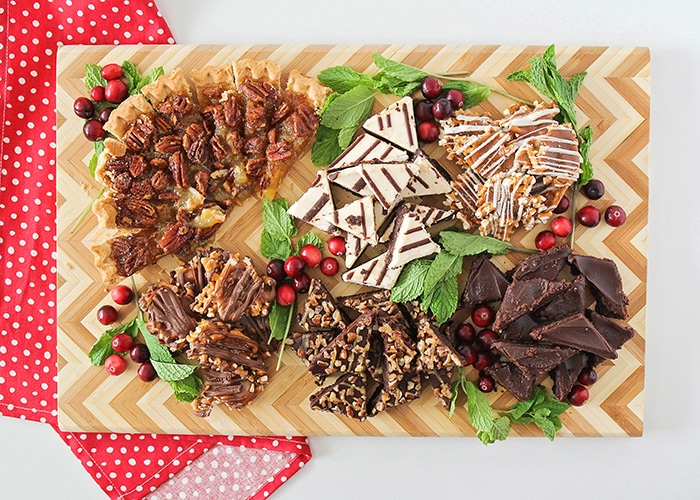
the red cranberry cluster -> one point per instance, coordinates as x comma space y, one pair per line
97, 108
294, 268
475, 347
437, 105
122, 343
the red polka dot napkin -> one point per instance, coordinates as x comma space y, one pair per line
125, 466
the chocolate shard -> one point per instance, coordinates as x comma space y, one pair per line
565, 374
435, 351
386, 181
577, 332
321, 311
376, 299
351, 179
307, 345
570, 302
441, 383
524, 296
358, 218
376, 272
613, 332
513, 379
431, 179
519, 329
533, 359
606, 284
486, 283
546, 265
409, 239
347, 396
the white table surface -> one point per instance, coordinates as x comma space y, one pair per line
34, 462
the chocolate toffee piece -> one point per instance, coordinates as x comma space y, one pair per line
431, 178
524, 296
570, 302
347, 396
169, 316
613, 332
315, 204
519, 329
396, 124
486, 283
533, 359
378, 300
606, 284
347, 352
435, 351
321, 310
307, 345
565, 374
513, 379
367, 148
407, 389
441, 383
194, 275
577, 332
546, 265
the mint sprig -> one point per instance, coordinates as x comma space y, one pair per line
102, 348
281, 319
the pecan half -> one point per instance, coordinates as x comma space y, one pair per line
201, 182
168, 144
181, 103
304, 121
168, 196
254, 91
136, 213
254, 146
160, 180
131, 254
161, 124
255, 116
136, 139
142, 189
197, 151
177, 169
280, 113
278, 151
138, 165
158, 163
232, 114
176, 237
218, 148
271, 136
256, 166
122, 182
213, 93
235, 140
195, 131
118, 163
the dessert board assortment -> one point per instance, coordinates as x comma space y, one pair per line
614, 100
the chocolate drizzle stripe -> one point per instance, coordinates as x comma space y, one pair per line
378, 193
416, 244
407, 121
316, 208
385, 172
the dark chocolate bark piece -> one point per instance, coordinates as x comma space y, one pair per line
546, 265
321, 312
307, 345
377, 299
606, 284
572, 301
486, 283
612, 331
435, 351
441, 383
524, 296
513, 379
407, 389
577, 332
533, 359
347, 396
519, 329
564, 375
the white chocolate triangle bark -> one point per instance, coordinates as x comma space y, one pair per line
387, 181
396, 124
429, 180
316, 204
358, 218
367, 148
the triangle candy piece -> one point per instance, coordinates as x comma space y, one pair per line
358, 218
347, 396
431, 178
525, 296
315, 204
577, 332
429, 216
409, 240
386, 181
320, 310
367, 148
533, 359
396, 124
376, 272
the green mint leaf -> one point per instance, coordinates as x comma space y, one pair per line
277, 221
187, 390
151, 77
132, 76
158, 352
480, 413
99, 147
473, 93
93, 77
445, 265
281, 319
349, 109
501, 428
398, 70
388, 84
272, 248
310, 238
345, 137
546, 426
584, 146
575, 84
326, 148
172, 372
522, 75
462, 244
342, 79
444, 299
101, 349
411, 282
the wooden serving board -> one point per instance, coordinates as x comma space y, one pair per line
614, 99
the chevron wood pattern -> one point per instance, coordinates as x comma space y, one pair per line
614, 99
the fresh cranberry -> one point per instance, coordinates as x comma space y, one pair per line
336, 245
301, 283
615, 215
115, 364
294, 265
329, 266
122, 342
486, 383
286, 295
588, 216
116, 91
431, 87
563, 205
139, 353
578, 395
107, 315
83, 107
146, 372
456, 98
311, 255
466, 333
594, 189
105, 114
561, 226
442, 109
122, 294
485, 338
545, 240
428, 132
482, 315
94, 131
275, 269
588, 376
424, 110
484, 359
112, 72
97, 93
468, 352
